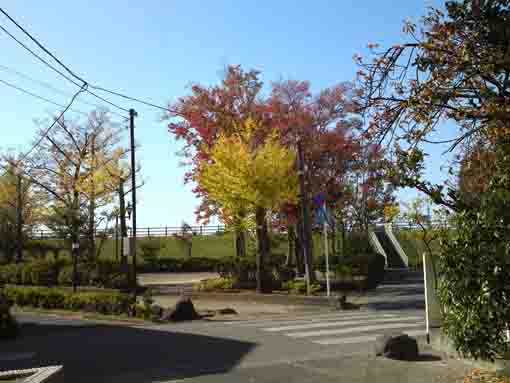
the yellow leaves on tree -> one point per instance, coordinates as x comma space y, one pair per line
242, 175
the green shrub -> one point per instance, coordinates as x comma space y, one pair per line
214, 284
299, 287
8, 325
43, 248
375, 271
473, 274
108, 303
150, 249
357, 243
65, 276
11, 273
343, 271
320, 262
40, 272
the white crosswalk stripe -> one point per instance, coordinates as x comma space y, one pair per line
340, 328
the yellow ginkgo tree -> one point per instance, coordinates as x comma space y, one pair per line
249, 174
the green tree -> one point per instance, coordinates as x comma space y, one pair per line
248, 180
453, 77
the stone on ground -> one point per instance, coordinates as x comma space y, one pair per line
184, 310
400, 347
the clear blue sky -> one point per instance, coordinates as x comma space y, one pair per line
155, 49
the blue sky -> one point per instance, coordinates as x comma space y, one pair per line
156, 49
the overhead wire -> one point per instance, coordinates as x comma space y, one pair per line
40, 97
54, 89
40, 45
24, 46
47, 131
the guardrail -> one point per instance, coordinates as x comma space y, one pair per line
162, 231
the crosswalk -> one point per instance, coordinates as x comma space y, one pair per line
339, 328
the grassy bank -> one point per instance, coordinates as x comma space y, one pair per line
217, 246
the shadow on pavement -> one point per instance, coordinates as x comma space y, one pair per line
398, 305
427, 358
103, 353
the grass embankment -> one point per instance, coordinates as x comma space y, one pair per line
222, 245
414, 246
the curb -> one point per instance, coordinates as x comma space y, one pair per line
440, 342
260, 298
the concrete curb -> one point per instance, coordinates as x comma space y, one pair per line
266, 298
441, 343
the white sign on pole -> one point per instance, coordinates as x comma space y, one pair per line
126, 246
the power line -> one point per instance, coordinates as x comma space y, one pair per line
129, 98
47, 131
71, 72
40, 97
51, 87
58, 71
43, 48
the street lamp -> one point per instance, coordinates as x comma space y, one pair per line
129, 210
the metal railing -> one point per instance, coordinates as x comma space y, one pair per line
141, 232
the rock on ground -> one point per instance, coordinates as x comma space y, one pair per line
184, 310
400, 347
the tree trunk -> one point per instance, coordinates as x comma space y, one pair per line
91, 229
309, 244
291, 238
240, 243
299, 249
263, 247
344, 247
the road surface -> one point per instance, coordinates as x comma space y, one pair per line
298, 347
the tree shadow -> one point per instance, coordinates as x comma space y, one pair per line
107, 353
421, 358
398, 305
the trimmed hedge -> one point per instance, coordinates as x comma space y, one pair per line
43, 272
8, 325
369, 265
107, 303
189, 264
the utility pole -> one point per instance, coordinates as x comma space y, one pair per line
19, 214
304, 213
92, 202
132, 115
123, 228
117, 237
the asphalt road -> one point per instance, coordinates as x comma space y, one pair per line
299, 347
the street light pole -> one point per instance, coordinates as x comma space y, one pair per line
132, 115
